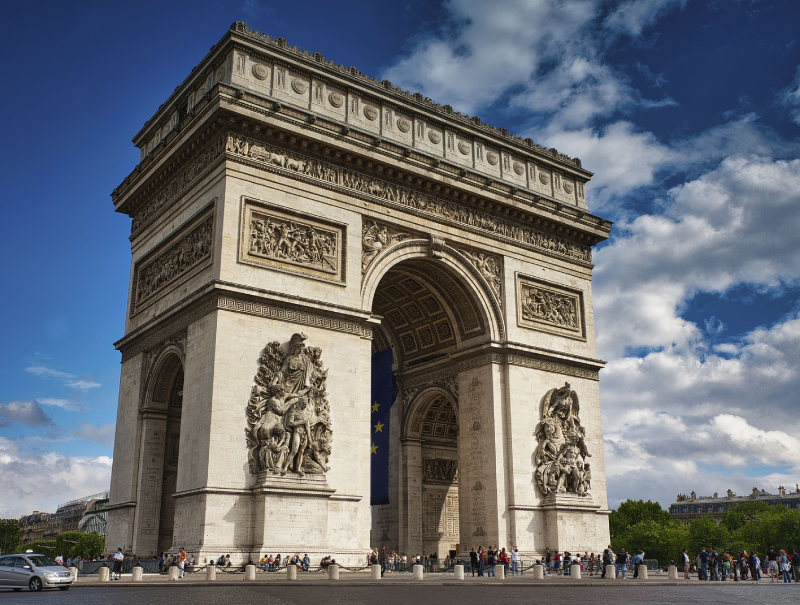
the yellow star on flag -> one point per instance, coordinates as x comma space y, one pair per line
375, 407
374, 449
379, 427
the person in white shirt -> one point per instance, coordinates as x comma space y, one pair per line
118, 558
514, 561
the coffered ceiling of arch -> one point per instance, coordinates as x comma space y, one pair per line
414, 299
440, 420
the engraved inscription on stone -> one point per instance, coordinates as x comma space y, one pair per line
288, 415
561, 465
183, 253
283, 240
550, 307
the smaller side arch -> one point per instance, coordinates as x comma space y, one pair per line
164, 364
412, 426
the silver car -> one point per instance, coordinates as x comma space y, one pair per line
34, 572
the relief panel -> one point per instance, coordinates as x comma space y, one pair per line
551, 308
292, 242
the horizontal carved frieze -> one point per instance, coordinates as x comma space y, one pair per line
292, 242
171, 261
437, 470
393, 194
549, 307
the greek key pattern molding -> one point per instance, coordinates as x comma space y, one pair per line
398, 196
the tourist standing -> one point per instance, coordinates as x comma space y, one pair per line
473, 561
515, 560
785, 567
622, 561
772, 564
702, 558
118, 558
684, 558
608, 559
796, 565
181, 563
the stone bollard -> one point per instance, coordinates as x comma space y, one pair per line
500, 572
642, 572
611, 572
333, 572
103, 571
672, 573
173, 572
137, 574
418, 572
250, 572
575, 571
291, 572
538, 572
376, 572
211, 572
74, 571
458, 572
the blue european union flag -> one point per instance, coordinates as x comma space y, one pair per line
384, 391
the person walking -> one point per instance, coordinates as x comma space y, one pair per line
785, 566
796, 565
772, 564
382, 560
182, 563
685, 561
473, 561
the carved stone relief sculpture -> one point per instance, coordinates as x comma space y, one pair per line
561, 454
375, 238
489, 267
550, 307
288, 415
437, 470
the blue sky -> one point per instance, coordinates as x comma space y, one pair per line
687, 111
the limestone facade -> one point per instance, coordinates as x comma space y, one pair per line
281, 194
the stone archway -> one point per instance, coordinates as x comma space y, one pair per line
160, 418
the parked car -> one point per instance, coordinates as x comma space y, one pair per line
33, 571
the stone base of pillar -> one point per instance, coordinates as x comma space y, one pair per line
672, 573
500, 572
103, 572
458, 572
418, 572
173, 572
250, 572
333, 572
137, 574
291, 572
538, 572
575, 572
376, 572
611, 572
211, 572
74, 571
642, 572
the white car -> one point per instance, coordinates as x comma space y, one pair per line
33, 571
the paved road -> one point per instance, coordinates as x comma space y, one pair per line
372, 594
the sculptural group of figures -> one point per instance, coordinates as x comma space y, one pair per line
288, 415
561, 454
549, 306
298, 243
191, 249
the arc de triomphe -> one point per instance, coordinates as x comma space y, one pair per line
291, 219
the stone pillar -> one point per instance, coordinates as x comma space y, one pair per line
672, 573
173, 572
642, 572
500, 572
250, 572
211, 572
291, 572
137, 574
103, 571
458, 572
611, 572
74, 571
538, 572
333, 572
376, 572
418, 572
575, 571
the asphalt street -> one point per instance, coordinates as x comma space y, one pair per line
373, 594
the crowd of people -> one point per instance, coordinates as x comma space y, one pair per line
742, 565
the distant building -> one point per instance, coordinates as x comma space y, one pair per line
686, 508
84, 514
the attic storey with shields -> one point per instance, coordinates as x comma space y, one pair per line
351, 314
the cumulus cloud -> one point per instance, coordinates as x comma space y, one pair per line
69, 405
102, 434
28, 412
43, 481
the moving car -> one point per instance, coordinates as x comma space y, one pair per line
33, 571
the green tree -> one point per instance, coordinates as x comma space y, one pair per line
705, 532
66, 542
89, 546
10, 535
658, 541
734, 518
41, 547
632, 512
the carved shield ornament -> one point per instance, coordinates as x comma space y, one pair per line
260, 71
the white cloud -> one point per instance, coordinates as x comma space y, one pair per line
65, 404
791, 97
102, 434
24, 412
41, 482
71, 380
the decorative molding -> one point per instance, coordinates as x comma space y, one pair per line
293, 242
173, 260
212, 155
376, 237
411, 201
490, 268
549, 307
